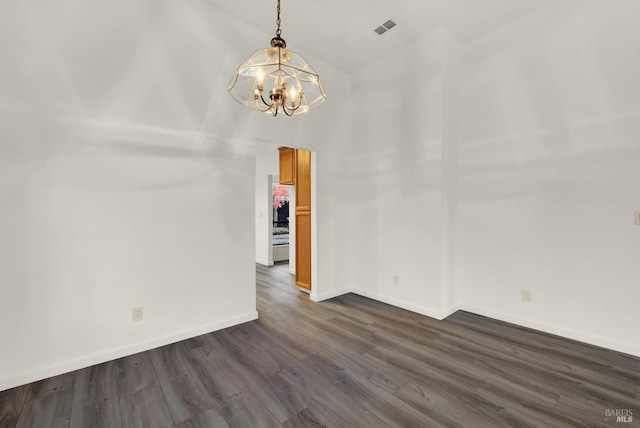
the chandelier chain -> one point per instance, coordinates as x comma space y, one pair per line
278, 31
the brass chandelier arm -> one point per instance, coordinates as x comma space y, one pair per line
263, 101
294, 106
263, 110
291, 110
256, 99
274, 111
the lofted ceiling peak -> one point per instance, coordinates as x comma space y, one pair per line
342, 33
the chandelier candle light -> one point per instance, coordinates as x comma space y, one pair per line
293, 86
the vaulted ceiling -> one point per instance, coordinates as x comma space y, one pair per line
342, 34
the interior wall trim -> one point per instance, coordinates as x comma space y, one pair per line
327, 296
61, 367
591, 339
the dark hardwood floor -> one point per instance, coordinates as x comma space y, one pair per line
347, 362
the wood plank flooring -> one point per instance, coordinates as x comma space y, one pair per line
347, 362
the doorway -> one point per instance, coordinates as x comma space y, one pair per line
268, 174
283, 241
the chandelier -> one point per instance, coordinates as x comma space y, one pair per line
276, 79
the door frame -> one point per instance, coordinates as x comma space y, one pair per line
316, 286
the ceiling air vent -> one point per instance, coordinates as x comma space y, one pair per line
384, 27
389, 24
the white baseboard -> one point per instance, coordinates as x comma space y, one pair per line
432, 313
112, 354
264, 262
331, 295
627, 348
440, 315
448, 312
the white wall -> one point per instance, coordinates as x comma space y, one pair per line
118, 185
548, 121
266, 168
127, 178
513, 165
399, 212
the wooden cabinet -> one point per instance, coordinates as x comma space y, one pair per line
295, 169
303, 250
303, 218
287, 165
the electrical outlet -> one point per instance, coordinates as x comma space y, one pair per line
526, 295
637, 217
137, 313
396, 280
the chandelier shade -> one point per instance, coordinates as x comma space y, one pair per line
276, 79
